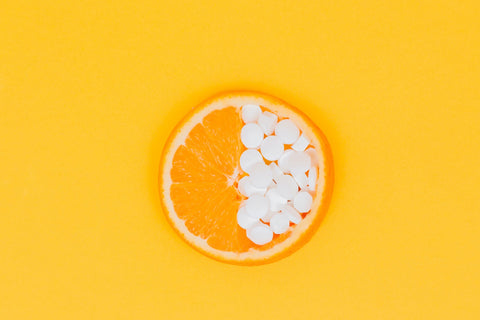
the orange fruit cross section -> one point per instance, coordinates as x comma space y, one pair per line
199, 173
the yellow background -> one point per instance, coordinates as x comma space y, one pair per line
89, 91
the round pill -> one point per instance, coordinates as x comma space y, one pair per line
257, 206
242, 185
251, 135
303, 201
260, 234
267, 122
244, 220
272, 148
287, 131
250, 113
287, 187
279, 223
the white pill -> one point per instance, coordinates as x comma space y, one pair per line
299, 161
246, 188
276, 171
260, 234
312, 179
272, 148
250, 113
268, 216
257, 206
249, 158
251, 135
313, 155
287, 187
302, 143
291, 213
276, 201
301, 179
244, 220
267, 121
261, 175
279, 223
242, 185
303, 201
284, 161
287, 131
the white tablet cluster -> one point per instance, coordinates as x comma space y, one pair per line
281, 169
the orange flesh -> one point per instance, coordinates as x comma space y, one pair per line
204, 176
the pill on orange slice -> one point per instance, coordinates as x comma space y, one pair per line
202, 165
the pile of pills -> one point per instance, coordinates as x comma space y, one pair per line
282, 171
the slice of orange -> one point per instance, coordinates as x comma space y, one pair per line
199, 173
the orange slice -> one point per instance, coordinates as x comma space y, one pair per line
199, 173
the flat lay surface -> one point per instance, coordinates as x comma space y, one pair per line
90, 90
